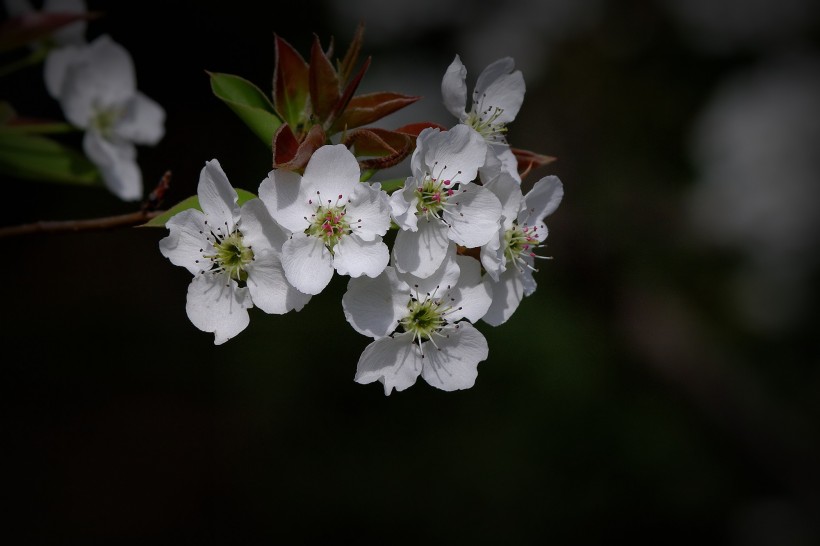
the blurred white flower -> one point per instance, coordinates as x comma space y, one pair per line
96, 87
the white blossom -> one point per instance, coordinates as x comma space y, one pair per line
234, 255
421, 326
509, 257
335, 221
439, 204
96, 87
497, 98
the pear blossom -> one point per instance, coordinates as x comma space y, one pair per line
497, 98
439, 205
334, 221
420, 326
233, 253
509, 257
96, 87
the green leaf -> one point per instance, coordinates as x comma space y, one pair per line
248, 102
36, 128
393, 184
38, 158
190, 203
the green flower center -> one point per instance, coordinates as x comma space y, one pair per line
232, 256
486, 125
424, 318
519, 240
329, 224
104, 120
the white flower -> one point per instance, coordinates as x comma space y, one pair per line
439, 204
420, 326
96, 87
233, 254
71, 34
497, 98
335, 221
508, 258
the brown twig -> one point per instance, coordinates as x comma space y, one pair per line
108, 222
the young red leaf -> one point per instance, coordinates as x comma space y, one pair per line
324, 83
366, 109
290, 84
298, 156
528, 160
413, 129
345, 67
347, 95
390, 147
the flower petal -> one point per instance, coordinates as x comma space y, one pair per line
508, 192
73, 34
453, 365
541, 200
186, 241
454, 89
450, 155
472, 295
421, 252
394, 361
369, 211
216, 304
332, 172
117, 163
286, 199
403, 205
57, 64
474, 217
492, 255
491, 73
307, 263
374, 306
499, 90
441, 280
355, 257
217, 198
269, 287
142, 121
507, 295
258, 228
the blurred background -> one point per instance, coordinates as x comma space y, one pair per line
661, 385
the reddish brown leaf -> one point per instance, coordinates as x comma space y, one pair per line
314, 139
414, 129
390, 147
25, 29
345, 67
324, 83
527, 160
348, 94
284, 145
365, 109
290, 84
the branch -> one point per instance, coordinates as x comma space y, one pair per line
108, 222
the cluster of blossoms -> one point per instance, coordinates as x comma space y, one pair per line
464, 250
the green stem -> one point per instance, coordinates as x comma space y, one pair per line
36, 128
36, 56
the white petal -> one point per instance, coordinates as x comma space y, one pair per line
454, 89
217, 198
507, 295
541, 200
57, 63
333, 172
509, 163
258, 228
492, 254
508, 192
453, 155
403, 205
269, 287
355, 257
421, 252
186, 242
368, 212
392, 360
472, 295
453, 365
307, 262
440, 281
142, 121
491, 73
217, 304
374, 306
286, 199
474, 217
117, 163
499, 90
69, 34
109, 70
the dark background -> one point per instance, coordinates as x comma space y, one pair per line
659, 387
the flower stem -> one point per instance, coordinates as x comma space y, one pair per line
107, 222
32, 58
